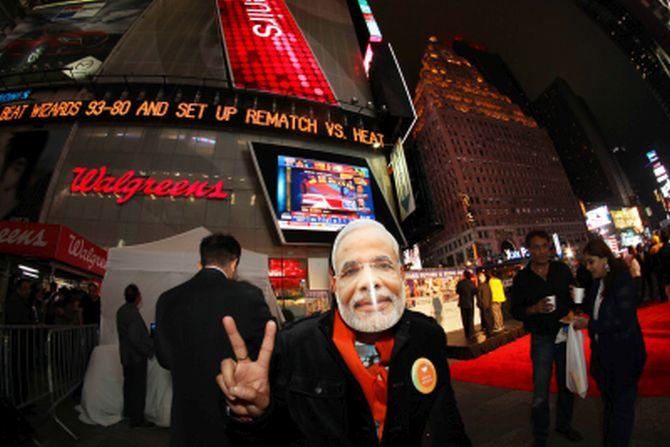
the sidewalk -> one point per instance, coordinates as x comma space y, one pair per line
493, 418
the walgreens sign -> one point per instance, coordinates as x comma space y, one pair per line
267, 51
130, 184
52, 242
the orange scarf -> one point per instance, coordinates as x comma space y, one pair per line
373, 380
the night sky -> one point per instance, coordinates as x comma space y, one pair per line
539, 41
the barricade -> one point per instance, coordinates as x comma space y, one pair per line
44, 364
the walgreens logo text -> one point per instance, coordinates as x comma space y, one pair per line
129, 184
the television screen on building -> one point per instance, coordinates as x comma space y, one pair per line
320, 195
311, 194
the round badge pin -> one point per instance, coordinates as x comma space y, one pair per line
424, 375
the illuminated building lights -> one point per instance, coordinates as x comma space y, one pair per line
267, 51
367, 59
370, 22
661, 175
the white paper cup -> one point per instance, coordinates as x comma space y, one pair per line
552, 300
578, 295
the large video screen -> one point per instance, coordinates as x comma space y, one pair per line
317, 195
312, 194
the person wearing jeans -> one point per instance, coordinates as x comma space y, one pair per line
544, 353
540, 298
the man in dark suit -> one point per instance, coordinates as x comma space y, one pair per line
190, 340
135, 347
467, 291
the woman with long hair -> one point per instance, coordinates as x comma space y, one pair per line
617, 347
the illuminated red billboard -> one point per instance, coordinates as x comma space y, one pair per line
267, 51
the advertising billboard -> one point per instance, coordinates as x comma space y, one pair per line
27, 161
627, 218
320, 195
72, 40
311, 193
403, 184
267, 51
598, 218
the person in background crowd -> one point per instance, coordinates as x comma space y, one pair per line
19, 308
649, 287
484, 303
618, 353
656, 266
497, 299
366, 373
91, 305
664, 265
191, 342
437, 308
640, 256
635, 271
38, 300
67, 310
540, 298
135, 348
50, 304
467, 291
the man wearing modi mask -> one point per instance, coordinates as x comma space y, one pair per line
366, 373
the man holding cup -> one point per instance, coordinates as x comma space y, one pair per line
541, 298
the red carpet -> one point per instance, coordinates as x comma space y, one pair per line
509, 366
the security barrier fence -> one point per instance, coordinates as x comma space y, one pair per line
44, 364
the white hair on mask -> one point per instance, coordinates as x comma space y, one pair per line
357, 225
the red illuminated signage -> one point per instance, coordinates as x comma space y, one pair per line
267, 51
52, 242
129, 184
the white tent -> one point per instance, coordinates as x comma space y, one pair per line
155, 267
158, 266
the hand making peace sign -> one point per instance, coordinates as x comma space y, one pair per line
245, 383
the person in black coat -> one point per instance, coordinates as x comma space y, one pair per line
367, 373
135, 348
467, 291
484, 300
191, 342
617, 348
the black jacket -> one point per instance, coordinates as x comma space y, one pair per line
191, 342
135, 345
618, 355
466, 291
316, 401
484, 296
528, 288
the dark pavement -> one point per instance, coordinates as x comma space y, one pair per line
493, 418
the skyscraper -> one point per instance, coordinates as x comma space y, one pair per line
592, 170
493, 174
494, 70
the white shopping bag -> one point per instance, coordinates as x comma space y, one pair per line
575, 370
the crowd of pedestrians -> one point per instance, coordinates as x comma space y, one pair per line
31, 302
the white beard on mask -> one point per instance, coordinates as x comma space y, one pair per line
376, 321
